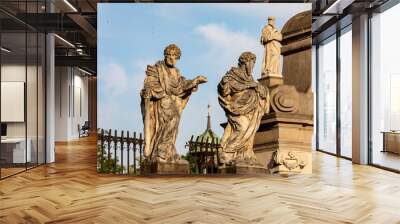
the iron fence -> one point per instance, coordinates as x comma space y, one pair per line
203, 155
121, 154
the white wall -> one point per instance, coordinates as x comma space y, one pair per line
33, 126
71, 102
17, 73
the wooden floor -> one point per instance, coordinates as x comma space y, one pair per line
10, 171
70, 191
387, 159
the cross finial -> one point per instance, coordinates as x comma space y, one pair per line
209, 117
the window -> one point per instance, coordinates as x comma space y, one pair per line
22, 66
346, 92
385, 89
326, 88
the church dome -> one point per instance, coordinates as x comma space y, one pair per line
208, 133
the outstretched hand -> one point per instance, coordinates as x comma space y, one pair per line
200, 79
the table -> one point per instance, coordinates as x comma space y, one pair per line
13, 150
391, 141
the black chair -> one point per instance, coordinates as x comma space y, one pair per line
84, 130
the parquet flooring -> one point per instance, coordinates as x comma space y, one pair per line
70, 191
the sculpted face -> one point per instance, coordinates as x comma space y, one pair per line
271, 22
171, 59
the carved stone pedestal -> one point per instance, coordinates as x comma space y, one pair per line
161, 168
241, 169
283, 142
270, 80
245, 170
291, 161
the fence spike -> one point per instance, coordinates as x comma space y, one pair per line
134, 142
140, 147
109, 145
128, 145
122, 144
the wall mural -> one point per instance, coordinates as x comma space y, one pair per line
149, 110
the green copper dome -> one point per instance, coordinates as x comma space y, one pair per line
208, 133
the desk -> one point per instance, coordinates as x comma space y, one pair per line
13, 150
391, 141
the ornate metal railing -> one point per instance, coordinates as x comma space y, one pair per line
121, 154
203, 155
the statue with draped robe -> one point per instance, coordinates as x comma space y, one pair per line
271, 40
163, 98
244, 101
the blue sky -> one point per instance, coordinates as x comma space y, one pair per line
211, 37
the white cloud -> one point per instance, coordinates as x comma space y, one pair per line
119, 100
225, 45
114, 79
141, 64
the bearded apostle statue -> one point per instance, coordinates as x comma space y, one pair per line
244, 101
271, 40
163, 98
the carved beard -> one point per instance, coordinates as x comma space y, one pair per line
248, 69
169, 65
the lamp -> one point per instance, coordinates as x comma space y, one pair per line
70, 5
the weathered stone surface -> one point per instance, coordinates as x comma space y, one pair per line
251, 170
292, 161
165, 168
271, 80
244, 101
284, 132
285, 98
164, 96
245, 169
296, 51
271, 40
284, 138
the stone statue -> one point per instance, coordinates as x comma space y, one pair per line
244, 101
271, 39
164, 96
284, 139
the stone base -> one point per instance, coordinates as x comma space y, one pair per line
270, 80
241, 169
291, 161
283, 143
244, 170
160, 168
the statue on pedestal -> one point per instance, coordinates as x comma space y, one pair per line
244, 101
284, 139
163, 98
271, 39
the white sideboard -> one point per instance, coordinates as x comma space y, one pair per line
18, 148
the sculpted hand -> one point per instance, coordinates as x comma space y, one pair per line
200, 79
252, 85
260, 89
145, 93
